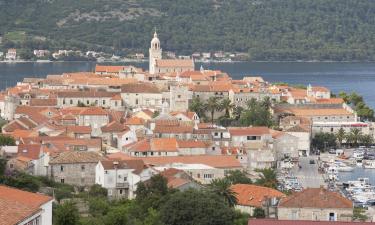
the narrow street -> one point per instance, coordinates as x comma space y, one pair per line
308, 175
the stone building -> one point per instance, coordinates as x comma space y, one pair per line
74, 167
159, 65
316, 204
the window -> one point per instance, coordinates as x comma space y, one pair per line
199, 175
71, 101
125, 178
251, 138
83, 167
106, 171
136, 101
208, 176
62, 168
115, 103
332, 216
88, 102
178, 96
120, 191
103, 102
62, 180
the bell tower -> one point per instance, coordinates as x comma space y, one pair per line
154, 53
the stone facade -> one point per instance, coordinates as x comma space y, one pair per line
318, 214
77, 174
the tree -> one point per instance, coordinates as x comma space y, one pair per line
367, 139
267, 178
322, 141
98, 206
196, 207
118, 215
197, 106
226, 105
212, 105
222, 187
354, 136
340, 136
238, 177
259, 213
359, 214
66, 214
257, 113
7, 140
3, 166
98, 191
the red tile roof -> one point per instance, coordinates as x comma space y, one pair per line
94, 111
316, 198
244, 131
210, 160
17, 205
30, 151
253, 195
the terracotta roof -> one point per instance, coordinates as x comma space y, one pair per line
175, 63
17, 205
210, 160
316, 198
136, 164
30, 151
245, 131
93, 111
191, 144
173, 129
108, 69
113, 126
140, 88
79, 129
119, 156
76, 157
135, 121
43, 102
253, 195
320, 112
155, 145
300, 222
329, 101
320, 89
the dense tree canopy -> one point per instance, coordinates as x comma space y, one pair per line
198, 208
267, 29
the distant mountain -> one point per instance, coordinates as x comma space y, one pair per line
267, 29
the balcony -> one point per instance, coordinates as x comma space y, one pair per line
122, 185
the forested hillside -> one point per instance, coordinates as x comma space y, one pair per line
267, 29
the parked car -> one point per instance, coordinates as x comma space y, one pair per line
312, 161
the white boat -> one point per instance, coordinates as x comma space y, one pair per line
369, 165
358, 154
359, 184
342, 167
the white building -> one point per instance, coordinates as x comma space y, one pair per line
11, 54
159, 65
24, 208
120, 177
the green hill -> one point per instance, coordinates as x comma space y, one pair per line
267, 29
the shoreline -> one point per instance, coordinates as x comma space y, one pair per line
196, 61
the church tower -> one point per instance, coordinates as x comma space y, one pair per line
154, 53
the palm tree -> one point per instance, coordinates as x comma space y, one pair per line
367, 139
222, 187
267, 178
197, 106
354, 136
267, 103
340, 136
227, 105
212, 106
